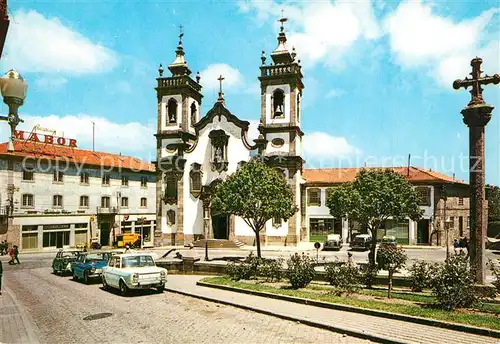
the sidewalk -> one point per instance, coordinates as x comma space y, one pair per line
371, 327
16, 326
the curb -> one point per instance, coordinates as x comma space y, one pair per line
28, 322
382, 314
317, 324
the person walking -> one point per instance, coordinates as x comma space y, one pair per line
11, 255
455, 245
466, 245
16, 254
1, 275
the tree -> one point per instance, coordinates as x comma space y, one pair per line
391, 258
372, 198
256, 193
493, 197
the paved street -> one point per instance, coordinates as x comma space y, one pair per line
58, 306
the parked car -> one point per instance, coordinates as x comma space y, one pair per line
388, 240
90, 266
61, 263
133, 271
333, 241
361, 242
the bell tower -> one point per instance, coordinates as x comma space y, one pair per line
281, 92
281, 95
179, 103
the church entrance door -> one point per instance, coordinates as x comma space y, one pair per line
220, 226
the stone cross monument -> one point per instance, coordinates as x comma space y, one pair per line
476, 115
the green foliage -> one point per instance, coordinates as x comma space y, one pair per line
453, 283
300, 270
493, 197
246, 270
391, 257
373, 197
421, 275
370, 273
346, 277
495, 270
271, 269
256, 193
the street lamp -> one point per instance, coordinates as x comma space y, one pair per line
13, 88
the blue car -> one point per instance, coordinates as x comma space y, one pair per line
90, 266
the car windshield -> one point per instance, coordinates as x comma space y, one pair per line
94, 258
137, 261
70, 254
359, 239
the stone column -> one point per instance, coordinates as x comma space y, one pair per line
476, 117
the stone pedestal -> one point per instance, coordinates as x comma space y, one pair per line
476, 117
188, 264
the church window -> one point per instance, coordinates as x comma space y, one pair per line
314, 197
298, 107
170, 217
276, 221
172, 111
195, 179
278, 103
171, 188
193, 113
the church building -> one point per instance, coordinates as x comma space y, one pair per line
196, 152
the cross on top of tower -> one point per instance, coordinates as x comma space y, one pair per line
282, 20
221, 94
476, 81
181, 33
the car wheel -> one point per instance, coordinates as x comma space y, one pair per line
104, 283
86, 277
161, 288
123, 288
75, 277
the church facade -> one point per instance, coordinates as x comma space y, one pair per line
194, 153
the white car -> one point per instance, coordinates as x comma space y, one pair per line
133, 271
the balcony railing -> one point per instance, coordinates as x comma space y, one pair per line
107, 210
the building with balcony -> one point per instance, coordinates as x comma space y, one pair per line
63, 196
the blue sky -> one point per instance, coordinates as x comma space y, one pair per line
377, 74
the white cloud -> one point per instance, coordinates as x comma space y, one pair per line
319, 145
253, 131
335, 93
110, 137
53, 82
46, 45
233, 79
321, 31
420, 38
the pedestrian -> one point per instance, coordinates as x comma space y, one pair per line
466, 245
1, 275
127, 248
16, 254
11, 255
455, 245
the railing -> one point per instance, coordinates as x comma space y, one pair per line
107, 210
280, 70
178, 81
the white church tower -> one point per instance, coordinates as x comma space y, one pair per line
281, 90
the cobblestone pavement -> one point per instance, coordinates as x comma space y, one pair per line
59, 305
396, 330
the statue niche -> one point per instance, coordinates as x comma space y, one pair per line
171, 111
219, 140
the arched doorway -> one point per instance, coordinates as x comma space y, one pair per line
220, 226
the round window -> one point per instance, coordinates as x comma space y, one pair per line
277, 142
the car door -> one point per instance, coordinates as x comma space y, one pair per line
111, 273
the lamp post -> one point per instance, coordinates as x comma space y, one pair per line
13, 88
